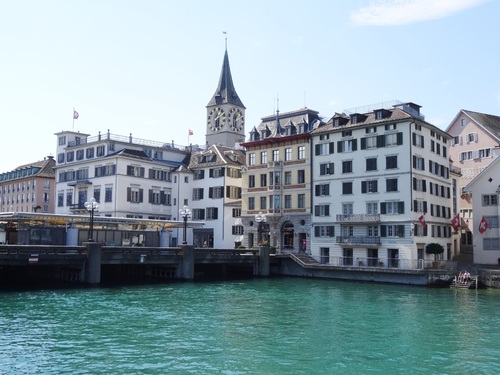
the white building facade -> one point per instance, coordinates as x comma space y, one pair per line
374, 175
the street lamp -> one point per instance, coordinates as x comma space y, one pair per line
91, 207
260, 218
185, 213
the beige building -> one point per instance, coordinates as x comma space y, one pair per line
28, 188
277, 182
475, 135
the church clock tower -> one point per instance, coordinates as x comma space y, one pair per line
225, 112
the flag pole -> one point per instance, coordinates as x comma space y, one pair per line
73, 118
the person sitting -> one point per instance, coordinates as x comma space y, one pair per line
460, 277
466, 276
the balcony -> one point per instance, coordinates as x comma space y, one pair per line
358, 240
359, 218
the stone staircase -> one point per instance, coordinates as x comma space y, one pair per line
304, 258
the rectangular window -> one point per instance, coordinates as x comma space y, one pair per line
326, 169
288, 154
491, 243
60, 199
198, 214
391, 162
371, 164
370, 186
301, 176
70, 156
263, 157
371, 208
263, 203
108, 194
322, 210
135, 195
100, 150
212, 213
276, 155
216, 192
79, 154
288, 201
322, 190
347, 188
197, 194
288, 178
347, 166
301, 200
251, 181
251, 203
490, 199
251, 159
347, 208
301, 152
391, 184
263, 180
236, 212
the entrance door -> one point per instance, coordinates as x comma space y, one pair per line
287, 231
372, 259
393, 258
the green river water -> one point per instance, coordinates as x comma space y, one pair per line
270, 326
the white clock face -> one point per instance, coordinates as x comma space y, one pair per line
216, 119
236, 119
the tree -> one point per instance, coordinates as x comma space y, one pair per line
435, 249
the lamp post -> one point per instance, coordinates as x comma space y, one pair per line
260, 218
185, 213
91, 207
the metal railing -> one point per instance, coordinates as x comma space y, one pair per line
358, 218
361, 240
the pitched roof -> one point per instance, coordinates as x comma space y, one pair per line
225, 92
220, 156
490, 122
42, 168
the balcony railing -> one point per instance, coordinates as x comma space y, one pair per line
358, 240
358, 218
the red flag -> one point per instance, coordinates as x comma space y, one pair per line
455, 222
75, 115
483, 225
422, 220
190, 132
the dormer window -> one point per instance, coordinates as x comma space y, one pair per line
378, 115
354, 119
336, 122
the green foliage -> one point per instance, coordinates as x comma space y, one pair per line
434, 248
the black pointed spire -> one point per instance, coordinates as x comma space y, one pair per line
225, 92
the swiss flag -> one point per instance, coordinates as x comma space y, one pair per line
483, 225
422, 220
75, 115
455, 222
191, 132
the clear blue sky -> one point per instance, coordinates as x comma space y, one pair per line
150, 67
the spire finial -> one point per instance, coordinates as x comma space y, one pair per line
225, 39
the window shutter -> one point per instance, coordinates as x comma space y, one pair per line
316, 230
415, 205
414, 183
142, 171
129, 193
383, 231
401, 230
316, 210
380, 141
425, 206
424, 185
414, 162
414, 139
327, 210
354, 144
401, 207
331, 230
129, 170
363, 143
316, 190
228, 191
150, 196
151, 173
363, 187
317, 149
383, 208
211, 192
399, 137
331, 168
211, 172
340, 146
330, 148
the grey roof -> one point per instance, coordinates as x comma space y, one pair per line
490, 122
277, 123
225, 92
136, 154
45, 169
222, 156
